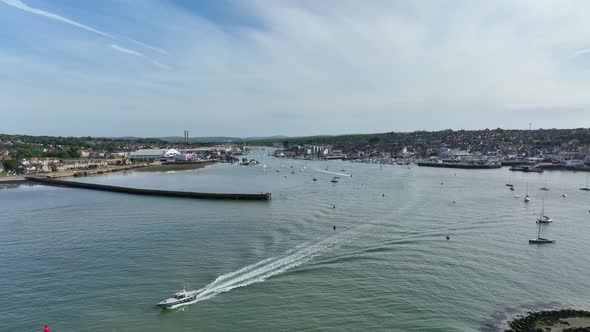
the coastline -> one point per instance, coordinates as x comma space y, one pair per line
143, 167
551, 321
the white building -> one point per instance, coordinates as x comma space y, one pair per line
153, 154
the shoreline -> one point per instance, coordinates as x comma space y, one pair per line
143, 167
551, 321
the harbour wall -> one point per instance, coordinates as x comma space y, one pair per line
457, 165
150, 192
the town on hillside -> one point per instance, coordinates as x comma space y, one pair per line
537, 149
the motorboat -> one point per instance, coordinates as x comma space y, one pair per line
178, 298
512, 188
334, 179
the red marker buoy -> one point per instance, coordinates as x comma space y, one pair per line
46, 329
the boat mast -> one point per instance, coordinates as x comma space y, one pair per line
539, 233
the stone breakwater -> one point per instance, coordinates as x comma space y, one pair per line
547, 321
151, 192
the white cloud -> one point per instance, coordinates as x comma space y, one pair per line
126, 50
341, 66
153, 48
161, 65
21, 5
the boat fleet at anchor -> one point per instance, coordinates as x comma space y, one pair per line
543, 218
184, 297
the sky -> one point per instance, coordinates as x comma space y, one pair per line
269, 67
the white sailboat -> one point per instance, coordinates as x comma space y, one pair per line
564, 195
543, 219
527, 198
545, 188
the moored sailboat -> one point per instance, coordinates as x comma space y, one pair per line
543, 219
539, 239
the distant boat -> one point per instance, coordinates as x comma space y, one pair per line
512, 188
334, 179
314, 179
510, 184
564, 195
539, 239
527, 198
179, 298
526, 169
587, 188
543, 219
516, 196
545, 188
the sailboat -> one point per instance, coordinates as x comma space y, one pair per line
545, 188
564, 195
539, 239
587, 188
543, 219
527, 198
509, 184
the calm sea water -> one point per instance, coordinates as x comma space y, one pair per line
83, 260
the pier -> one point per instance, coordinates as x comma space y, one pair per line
150, 192
465, 165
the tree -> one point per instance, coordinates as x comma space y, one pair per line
11, 165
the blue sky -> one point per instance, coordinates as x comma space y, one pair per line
262, 67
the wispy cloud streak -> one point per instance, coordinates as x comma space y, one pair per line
23, 6
126, 50
153, 48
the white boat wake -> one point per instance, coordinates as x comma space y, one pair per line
333, 173
260, 271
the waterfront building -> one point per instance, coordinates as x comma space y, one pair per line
153, 154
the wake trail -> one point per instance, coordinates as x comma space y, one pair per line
264, 269
333, 173
269, 267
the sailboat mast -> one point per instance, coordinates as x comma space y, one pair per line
539, 233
